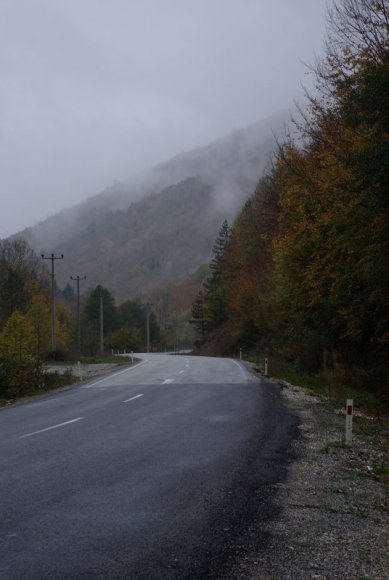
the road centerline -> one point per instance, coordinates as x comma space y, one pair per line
132, 398
51, 427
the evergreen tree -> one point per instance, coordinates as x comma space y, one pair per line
215, 297
91, 317
92, 309
198, 319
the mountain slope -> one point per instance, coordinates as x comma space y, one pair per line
156, 239
161, 225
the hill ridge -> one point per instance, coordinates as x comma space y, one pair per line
175, 210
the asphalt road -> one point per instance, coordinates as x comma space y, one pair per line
162, 470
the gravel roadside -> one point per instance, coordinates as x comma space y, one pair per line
334, 505
83, 371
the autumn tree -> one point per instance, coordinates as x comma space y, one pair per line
248, 261
22, 275
16, 338
39, 316
315, 275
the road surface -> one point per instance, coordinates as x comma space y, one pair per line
161, 470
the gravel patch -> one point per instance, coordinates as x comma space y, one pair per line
333, 519
83, 371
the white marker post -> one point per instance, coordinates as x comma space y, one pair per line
266, 367
349, 422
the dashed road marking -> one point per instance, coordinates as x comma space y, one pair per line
132, 398
51, 427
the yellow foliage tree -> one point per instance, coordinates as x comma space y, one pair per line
65, 324
17, 337
39, 317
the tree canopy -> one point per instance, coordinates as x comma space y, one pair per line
306, 272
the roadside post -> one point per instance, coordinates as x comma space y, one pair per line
349, 422
240, 354
266, 367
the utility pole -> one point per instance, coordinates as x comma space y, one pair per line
52, 257
101, 325
148, 312
77, 279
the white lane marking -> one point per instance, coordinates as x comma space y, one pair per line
50, 428
115, 375
168, 381
240, 368
132, 398
181, 372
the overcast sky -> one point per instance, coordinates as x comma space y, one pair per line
96, 90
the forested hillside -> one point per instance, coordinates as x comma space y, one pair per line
303, 274
160, 225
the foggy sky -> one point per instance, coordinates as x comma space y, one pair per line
96, 90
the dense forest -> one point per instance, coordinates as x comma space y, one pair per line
26, 321
303, 273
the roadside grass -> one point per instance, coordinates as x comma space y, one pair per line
371, 414
333, 386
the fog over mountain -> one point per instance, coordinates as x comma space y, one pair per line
95, 91
159, 225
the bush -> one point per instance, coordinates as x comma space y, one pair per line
20, 377
58, 355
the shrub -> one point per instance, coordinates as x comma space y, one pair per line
20, 377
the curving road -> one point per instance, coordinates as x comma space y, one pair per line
166, 469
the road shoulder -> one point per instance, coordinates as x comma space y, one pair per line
333, 520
